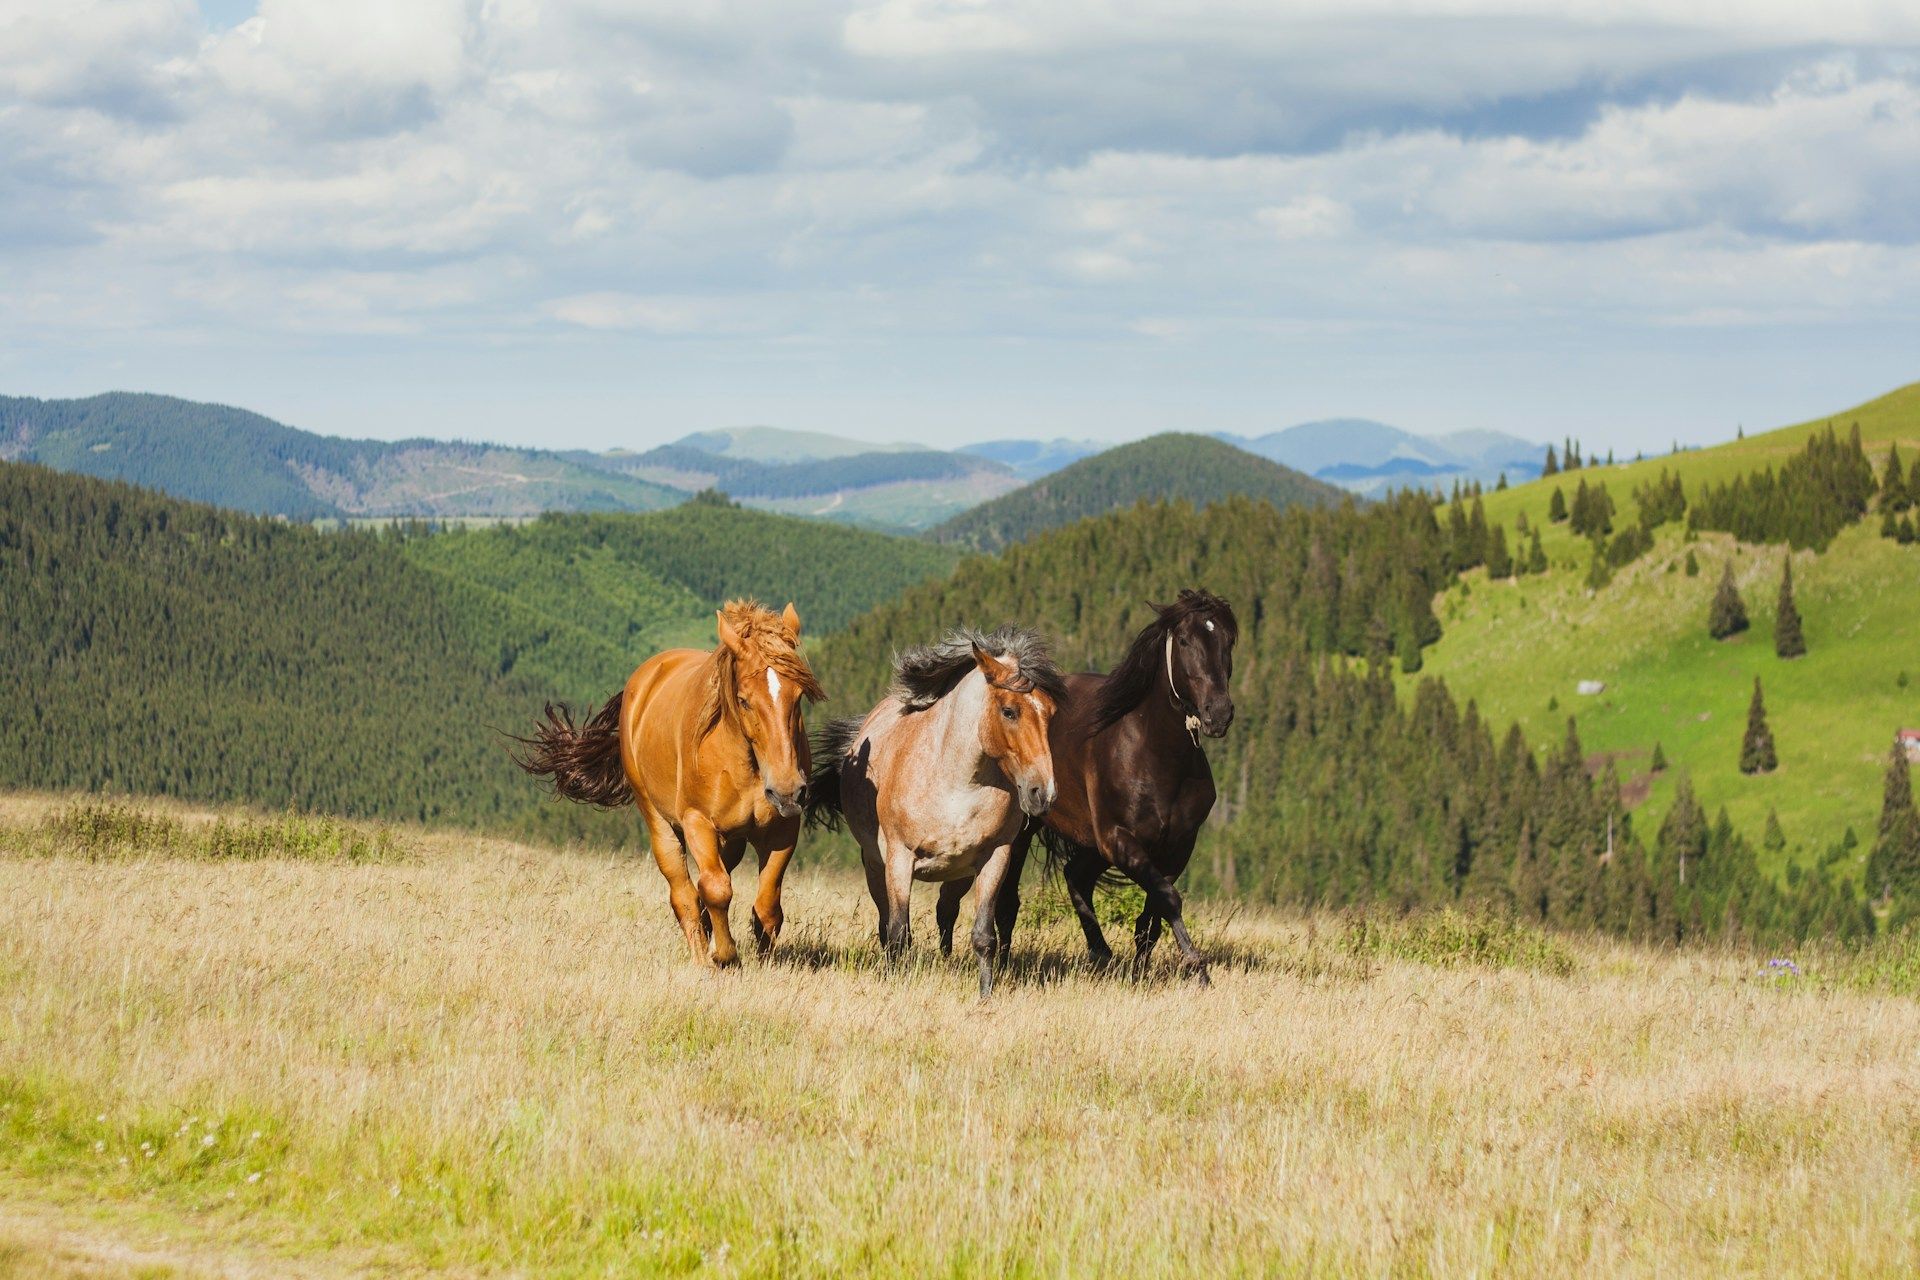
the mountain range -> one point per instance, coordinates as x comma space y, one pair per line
239, 459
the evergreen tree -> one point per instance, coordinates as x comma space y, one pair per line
1904, 535
1557, 507
1499, 560
1536, 556
1659, 762
1896, 488
1728, 616
1693, 564
1894, 865
1788, 641
1520, 523
1501, 487
1775, 839
1598, 574
1756, 748
1552, 467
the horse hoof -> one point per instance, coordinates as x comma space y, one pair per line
1200, 977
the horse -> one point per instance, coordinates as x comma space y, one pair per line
1135, 785
937, 780
712, 747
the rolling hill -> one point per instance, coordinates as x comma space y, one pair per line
1520, 648
166, 647
905, 488
1196, 469
232, 458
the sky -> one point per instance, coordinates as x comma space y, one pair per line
612, 222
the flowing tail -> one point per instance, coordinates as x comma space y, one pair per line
584, 762
830, 748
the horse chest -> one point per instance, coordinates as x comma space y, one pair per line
952, 835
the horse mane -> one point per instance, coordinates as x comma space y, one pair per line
927, 673
767, 637
1132, 678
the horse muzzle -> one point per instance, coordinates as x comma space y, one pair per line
1035, 800
788, 804
1215, 719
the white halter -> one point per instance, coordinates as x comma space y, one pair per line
1193, 721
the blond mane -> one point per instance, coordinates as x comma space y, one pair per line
770, 643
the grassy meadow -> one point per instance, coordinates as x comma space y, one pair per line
235, 1044
1519, 648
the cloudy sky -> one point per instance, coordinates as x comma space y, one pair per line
602, 222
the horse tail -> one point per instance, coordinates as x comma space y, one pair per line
1060, 848
583, 762
830, 748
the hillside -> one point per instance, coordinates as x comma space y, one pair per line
232, 458
1031, 459
1195, 469
571, 602
900, 488
1333, 790
1519, 648
170, 648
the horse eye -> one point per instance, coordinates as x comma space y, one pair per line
1010, 712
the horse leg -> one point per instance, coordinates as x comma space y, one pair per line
948, 910
987, 884
775, 849
875, 867
671, 857
1146, 934
1081, 873
1006, 907
898, 863
1163, 900
716, 884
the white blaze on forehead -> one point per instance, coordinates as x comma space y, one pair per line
773, 683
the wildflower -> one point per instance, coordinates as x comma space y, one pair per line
1780, 968
207, 1141
100, 1119
99, 1146
254, 1176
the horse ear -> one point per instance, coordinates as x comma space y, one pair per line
728, 636
791, 616
997, 670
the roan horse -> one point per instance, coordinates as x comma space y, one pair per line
939, 778
713, 749
1134, 784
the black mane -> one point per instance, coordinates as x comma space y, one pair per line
927, 673
1132, 678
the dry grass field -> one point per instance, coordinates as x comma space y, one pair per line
297, 1049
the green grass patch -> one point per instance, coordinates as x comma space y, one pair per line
103, 830
1451, 939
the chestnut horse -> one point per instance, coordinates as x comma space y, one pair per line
712, 748
1134, 784
938, 779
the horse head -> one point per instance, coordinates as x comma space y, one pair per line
1198, 652
769, 680
1013, 730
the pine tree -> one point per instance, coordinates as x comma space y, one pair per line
1904, 535
1756, 748
1896, 488
1775, 839
1788, 640
1659, 761
1557, 507
1728, 616
1894, 865
1552, 466
1598, 573
1499, 560
1536, 557
1501, 487
1693, 564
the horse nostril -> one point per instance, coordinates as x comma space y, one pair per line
800, 796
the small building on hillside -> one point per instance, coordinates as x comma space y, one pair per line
1909, 740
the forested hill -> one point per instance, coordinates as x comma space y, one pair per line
233, 458
1333, 789
1196, 469
166, 647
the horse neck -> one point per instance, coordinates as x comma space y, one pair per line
955, 731
727, 726
1159, 711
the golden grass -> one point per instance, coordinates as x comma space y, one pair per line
487, 1057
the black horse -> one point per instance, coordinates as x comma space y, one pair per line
1134, 785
